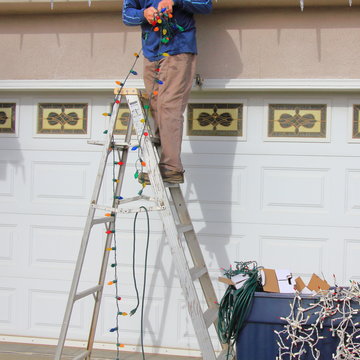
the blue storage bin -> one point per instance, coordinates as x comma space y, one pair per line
257, 340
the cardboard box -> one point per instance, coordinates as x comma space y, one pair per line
277, 281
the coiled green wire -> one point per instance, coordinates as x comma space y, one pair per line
236, 304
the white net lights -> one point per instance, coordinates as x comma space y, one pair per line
332, 313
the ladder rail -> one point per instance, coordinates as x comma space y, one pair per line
109, 238
86, 235
194, 247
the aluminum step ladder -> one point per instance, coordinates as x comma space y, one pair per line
178, 227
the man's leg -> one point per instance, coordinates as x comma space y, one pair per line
176, 73
150, 86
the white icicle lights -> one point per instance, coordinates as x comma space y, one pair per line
52, 4
340, 308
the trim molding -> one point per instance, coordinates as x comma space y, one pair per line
101, 346
208, 85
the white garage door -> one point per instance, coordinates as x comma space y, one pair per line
284, 193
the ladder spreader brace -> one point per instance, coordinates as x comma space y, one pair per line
170, 203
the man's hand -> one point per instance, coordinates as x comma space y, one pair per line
166, 4
150, 14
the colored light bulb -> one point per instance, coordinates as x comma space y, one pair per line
118, 163
118, 298
146, 107
117, 101
165, 54
119, 83
116, 180
113, 329
143, 163
109, 231
146, 133
112, 248
155, 93
159, 81
135, 147
136, 55
122, 313
136, 175
118, 197
113, 265
107, 114
120, 345
156, 28
112, 282
105, 132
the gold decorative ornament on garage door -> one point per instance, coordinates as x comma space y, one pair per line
7, 118
62, 118
302, 121
215, 119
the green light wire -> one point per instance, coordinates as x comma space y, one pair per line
236, 304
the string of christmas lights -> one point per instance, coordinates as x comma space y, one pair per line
304, 327
167, 28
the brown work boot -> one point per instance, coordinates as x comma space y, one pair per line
169, 176
172, 176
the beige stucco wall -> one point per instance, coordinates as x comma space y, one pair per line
242, 43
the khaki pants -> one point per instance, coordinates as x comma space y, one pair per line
167, 107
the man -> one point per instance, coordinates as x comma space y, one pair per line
169, 69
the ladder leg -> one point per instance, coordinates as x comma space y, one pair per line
109, 238
98, 296
200, 320
74, 287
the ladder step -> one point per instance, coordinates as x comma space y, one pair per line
104, 220
210, 315
170, 185
117, 144
197, 272
226, 354
129, 91
127, 210
87, 292
185, 228
83, 355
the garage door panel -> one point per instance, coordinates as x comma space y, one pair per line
7, 307
352, 192
298, 189
8, 236
302, 255
352, 256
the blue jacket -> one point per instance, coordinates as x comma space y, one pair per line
183, 11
